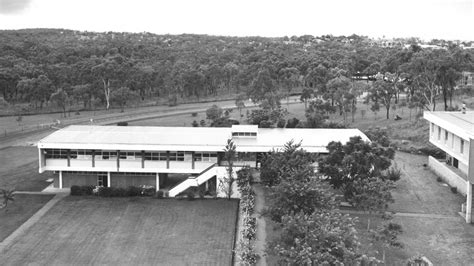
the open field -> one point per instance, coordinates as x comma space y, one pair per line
20, 210
439, 233
19, 169
126, 231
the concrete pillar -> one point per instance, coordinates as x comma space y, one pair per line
167, 159
108, 179
157, 181
93, 158
143, 159
469, 202
68, 154
192, 160
60, 179
118, 160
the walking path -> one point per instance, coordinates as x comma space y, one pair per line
33, 219
261, 225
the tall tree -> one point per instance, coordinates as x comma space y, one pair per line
61, 99
383, 92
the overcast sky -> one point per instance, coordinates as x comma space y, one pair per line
427, 19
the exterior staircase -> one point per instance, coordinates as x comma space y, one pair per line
194, 181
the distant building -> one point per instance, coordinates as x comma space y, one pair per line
453, 132
466, 78
137, 156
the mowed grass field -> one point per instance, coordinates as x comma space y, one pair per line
129, 231
19, 169
20, 210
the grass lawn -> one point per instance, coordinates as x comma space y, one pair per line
19, 169
126, 231
19, 211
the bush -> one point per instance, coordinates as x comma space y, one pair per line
122, 124
281, 123
195, 124
292, 122
393, 174
190, 194
194, 114
160, 194
439, 179
81, 190
454, 190
134, 191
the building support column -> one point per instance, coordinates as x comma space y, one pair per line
68, 154
469, 202
60, 179
157, 181
143, 159
167, 159
93, 158
108, 179
192, 160
118, 160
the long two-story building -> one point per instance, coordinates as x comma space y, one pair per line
115, 156
453, 132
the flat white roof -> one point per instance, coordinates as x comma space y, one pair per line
190, 138
458, 123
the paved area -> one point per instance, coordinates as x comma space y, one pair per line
260, 242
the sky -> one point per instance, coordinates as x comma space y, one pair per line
426, 19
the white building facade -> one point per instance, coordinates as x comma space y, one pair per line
453, 132
113, 156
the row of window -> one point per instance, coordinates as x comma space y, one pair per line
242, 134
446, 137
129, 155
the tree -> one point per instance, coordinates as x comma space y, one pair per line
214, 113
227, 182
8, 195
300, 194
387, 236
371, 195
306, 94
320, 238
317, 113
263, 88
280, 165
289, 79
122, 96
61, 98
108, 70
240, 104
382, 91
353, 160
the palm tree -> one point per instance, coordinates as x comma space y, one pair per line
7, 196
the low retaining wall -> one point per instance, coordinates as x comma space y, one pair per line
448, 176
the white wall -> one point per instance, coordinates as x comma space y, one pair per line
448, 176
452, 145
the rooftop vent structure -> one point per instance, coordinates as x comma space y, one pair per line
244, 131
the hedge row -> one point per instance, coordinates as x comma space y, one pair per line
246, 245
131, 191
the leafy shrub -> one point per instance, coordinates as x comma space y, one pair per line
122, 124
148, 191
190, 194
81, 190
394, 173
291, 123
194, 114
134, 191
281, 123
439, 179
160, 194
454, 190
195, 124
435, 152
